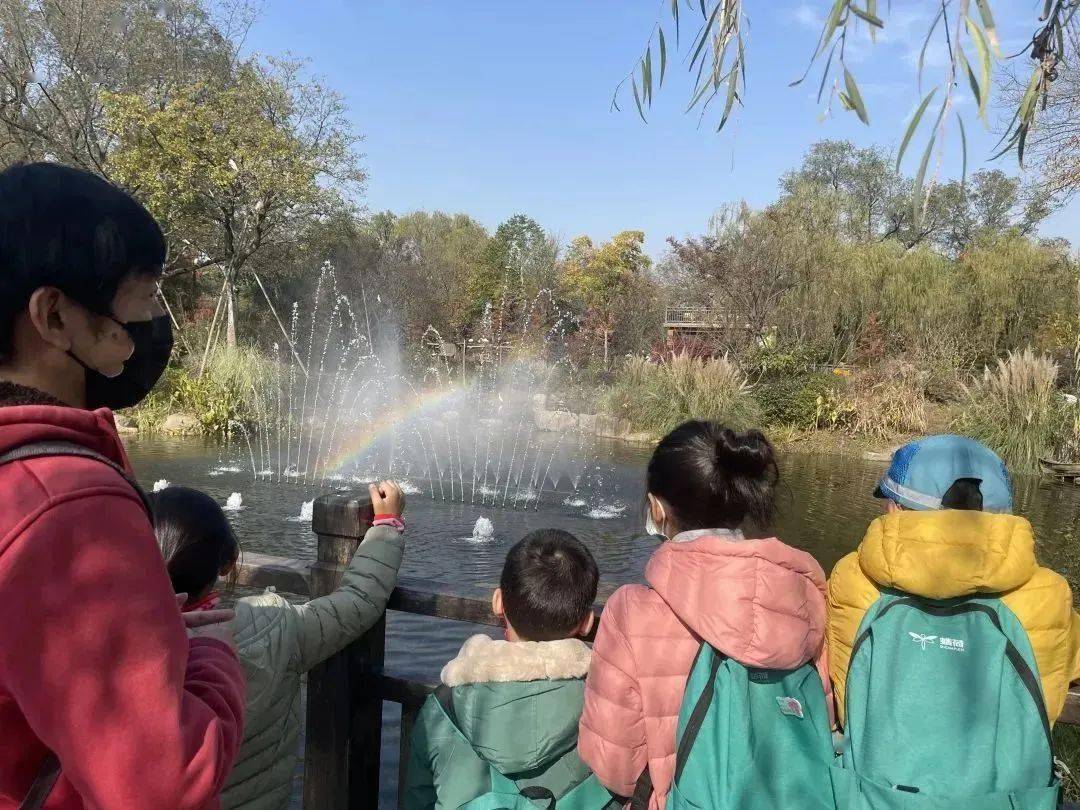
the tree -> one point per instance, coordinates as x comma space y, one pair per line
58, 56
607, 285
969, 35
232, 167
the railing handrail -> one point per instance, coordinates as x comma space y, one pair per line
343, 743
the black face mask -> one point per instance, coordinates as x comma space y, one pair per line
153, 341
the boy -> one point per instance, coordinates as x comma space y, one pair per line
505, 720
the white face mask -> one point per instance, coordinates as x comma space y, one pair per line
650, 525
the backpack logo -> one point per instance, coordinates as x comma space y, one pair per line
790, 706
921, 640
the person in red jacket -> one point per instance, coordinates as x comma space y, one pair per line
97, 669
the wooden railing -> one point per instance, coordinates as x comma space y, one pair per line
343, 747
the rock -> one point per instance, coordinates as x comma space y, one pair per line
122, 420
607, 426
127, 430
556, 421
641, 438
587, 423
181, 424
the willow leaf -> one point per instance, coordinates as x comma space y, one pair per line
845, 101
646, 75
989, 26
732, 94
965, 67
926, 43
983, 47
825, 73
663, 56
963, 151
871, 19
675, 15
855, 96
831, 25
705, 31
637, 99
918, 201
871, 6
915, 119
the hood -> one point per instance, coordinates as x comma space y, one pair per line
760, 602
28, 422
518, 703
945, 554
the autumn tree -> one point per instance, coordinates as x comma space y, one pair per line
231, 167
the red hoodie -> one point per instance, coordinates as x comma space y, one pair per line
95, 663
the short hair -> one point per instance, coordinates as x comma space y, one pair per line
965, 493
195, 538
66, 228
548, 585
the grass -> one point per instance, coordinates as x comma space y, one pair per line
657, 396
1067, 750
1014, 408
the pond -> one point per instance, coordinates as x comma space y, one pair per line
825, 504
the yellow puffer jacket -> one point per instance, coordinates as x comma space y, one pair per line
946, 554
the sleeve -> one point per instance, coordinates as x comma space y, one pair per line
330, 623
850, 595
611, 736
420, 793
101, 667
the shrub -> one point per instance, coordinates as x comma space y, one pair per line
1015, 409
658, 397
793, 400
886, 401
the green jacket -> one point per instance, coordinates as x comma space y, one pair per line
277, 642
517, 707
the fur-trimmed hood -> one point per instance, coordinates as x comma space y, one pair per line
484, 660
518, 703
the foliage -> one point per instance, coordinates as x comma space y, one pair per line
657, 397
718, 63
886, 401
795, 400
1067, 751
1014, 408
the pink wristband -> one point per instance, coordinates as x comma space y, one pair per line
393, 521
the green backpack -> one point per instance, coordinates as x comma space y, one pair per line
944, 710
505, 794
754, 738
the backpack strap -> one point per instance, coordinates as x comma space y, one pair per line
701, 708
50, 449
43, 783
643, 791
49, 772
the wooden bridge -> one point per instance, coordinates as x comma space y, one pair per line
343, 745
698, 322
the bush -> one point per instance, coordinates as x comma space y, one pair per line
658, 397
887, 401
793, 400
1015, 409
234, 388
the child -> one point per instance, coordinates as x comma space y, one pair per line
746, 606
506, 720
277, 642
948, 580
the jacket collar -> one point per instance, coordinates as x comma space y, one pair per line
949, 553
485, 660
694, 534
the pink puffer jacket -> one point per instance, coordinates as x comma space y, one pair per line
760, 602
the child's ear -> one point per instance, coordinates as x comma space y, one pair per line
497, 604
586, 625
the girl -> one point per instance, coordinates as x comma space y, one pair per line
758, 601
277, 642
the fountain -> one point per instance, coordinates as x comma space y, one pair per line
160, 484
235, 502
458, 421
483, 531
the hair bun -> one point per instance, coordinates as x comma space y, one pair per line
749, 453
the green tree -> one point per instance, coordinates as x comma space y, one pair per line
232, 167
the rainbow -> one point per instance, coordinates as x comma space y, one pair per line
358, 442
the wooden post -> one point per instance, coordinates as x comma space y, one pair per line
330, 776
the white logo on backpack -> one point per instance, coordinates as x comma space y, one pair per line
921, 640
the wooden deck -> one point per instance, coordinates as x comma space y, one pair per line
343, 734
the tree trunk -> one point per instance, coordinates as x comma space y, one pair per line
230, 310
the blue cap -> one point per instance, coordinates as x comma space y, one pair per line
922, 471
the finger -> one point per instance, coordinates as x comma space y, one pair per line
376, 496
181, 599
204, 617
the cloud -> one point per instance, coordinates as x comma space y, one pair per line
809, 16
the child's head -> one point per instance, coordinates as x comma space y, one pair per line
196, 540
547, 588
946, 472
703, 475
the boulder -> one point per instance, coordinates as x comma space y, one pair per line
122, 420
181, 424
556, 421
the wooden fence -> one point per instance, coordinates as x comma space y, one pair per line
345, 694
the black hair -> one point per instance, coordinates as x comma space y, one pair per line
548, 584
195, 537
965, 493
66, 228
714, 478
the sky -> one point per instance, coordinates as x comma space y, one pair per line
494, 108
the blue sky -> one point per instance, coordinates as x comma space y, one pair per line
494, 108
